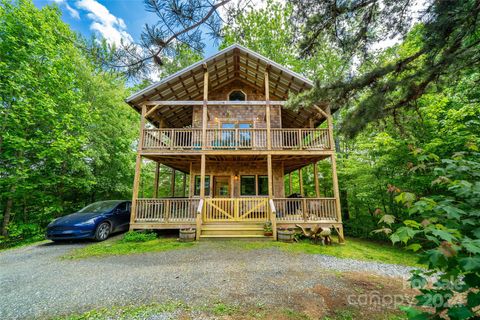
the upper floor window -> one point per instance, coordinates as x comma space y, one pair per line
236, 95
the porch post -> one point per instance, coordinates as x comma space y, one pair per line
155, 183
191, 183
270, 176
315, 176
336, 192
204, 108
202, 177
267, 110
138, 167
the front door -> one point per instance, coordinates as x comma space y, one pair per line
221, 187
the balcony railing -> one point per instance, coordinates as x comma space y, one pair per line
236, 139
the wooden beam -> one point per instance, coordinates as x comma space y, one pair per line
192, 180
315, 176
270, 176
155, 183
323, 113
204, 108
138, 167
212, 102
267, 110
336, 192
202, 177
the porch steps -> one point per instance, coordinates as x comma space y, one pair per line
232, 230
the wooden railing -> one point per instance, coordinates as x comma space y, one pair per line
305, 209
261, 209
166, 210
236, 209
236, 139
300, 139
173, 139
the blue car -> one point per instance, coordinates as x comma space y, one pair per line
96, 221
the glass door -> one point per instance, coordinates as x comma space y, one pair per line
221, 187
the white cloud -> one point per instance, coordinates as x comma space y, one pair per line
110, 27
73, 13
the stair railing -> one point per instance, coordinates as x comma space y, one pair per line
273, 218
198, 220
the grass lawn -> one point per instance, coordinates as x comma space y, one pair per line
352, 249
119, 247
178, 310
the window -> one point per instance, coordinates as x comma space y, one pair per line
247, 186
263, 185
197, 185
236, 95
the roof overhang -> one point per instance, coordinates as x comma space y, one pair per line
233, 62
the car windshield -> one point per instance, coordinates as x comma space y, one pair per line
98, 207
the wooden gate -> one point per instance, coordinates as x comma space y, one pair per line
238, 209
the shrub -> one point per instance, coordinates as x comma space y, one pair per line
444, 228
135, 236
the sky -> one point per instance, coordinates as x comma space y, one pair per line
111, 19
125, 19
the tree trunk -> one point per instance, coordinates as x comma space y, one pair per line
7, 213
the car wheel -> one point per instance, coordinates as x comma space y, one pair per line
102, 232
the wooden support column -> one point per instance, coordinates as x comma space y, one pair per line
155, 183
336, 192
138, 167
267, 110
202, 177
300, 181
204, 108
191, 184
270, 176
315, 176
184, 186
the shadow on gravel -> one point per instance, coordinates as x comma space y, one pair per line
114, 237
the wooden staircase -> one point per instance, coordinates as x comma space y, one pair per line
233, 230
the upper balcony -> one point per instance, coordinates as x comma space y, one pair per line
193, 140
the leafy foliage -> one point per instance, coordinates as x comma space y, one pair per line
445, 44
445, 228
135, 236
66, 136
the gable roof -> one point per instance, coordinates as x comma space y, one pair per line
233, 62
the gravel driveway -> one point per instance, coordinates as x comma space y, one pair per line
35, 283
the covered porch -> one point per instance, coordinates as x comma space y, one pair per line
239, 190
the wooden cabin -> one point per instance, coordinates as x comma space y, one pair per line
223, 121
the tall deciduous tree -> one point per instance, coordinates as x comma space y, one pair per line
66, 135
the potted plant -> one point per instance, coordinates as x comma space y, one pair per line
267, 229
285, 235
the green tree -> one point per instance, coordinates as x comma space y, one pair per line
66, 137
442, 46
